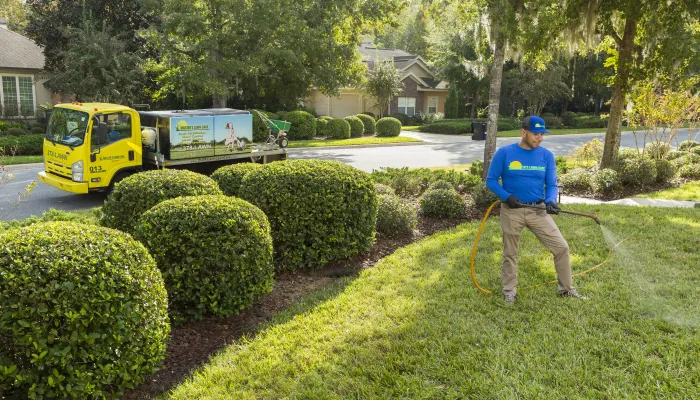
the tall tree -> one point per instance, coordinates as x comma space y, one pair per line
383, 83
15, 13
262, 51
650, 38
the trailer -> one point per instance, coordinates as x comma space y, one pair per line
90, 146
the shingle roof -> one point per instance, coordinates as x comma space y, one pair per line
19, 51
370, 53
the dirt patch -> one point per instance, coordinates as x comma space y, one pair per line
192, 344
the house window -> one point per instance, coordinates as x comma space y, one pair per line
432, 105
407, 105
17, 95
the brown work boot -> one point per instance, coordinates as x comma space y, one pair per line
573, 294
509, 298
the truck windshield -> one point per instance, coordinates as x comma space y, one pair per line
67, 127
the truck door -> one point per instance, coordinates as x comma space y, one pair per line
117, 151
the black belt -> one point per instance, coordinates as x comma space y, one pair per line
533, 203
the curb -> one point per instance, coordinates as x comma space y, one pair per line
357, 146
23, 166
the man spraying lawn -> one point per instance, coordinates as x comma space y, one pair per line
529, 177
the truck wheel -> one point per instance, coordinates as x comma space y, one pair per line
283, 142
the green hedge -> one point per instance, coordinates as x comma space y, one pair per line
137, 193
370, 125
338, 128
84, 312
26, 145
356, 126
636, 171
689, 171
409, 182
215, 253
260, 129
303, 125
322, 127
395, 217
443, 203
462, 126
589, 121
387, 127
319, 210
229, 177
402, 118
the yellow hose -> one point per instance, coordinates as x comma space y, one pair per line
476, 243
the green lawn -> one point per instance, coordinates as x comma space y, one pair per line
295, 144
415, 327
12, 160
688, 191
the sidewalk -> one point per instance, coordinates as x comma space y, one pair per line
634, 201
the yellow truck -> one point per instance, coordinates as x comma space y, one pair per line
90, 146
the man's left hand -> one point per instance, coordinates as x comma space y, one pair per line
552, 208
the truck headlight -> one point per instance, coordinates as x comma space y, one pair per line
77, 170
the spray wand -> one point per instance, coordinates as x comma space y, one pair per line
592, 216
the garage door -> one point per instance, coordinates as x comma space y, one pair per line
347, 104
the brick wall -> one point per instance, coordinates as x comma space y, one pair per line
410, 89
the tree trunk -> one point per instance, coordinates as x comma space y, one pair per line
612, 134
494, 102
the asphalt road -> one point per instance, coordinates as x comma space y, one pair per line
436, 151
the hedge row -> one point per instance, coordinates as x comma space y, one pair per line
26, 145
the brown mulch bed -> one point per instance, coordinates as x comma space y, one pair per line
192, 344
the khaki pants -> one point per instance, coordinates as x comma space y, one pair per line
513, 220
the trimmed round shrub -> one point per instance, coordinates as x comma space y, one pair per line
637, 172
483, 197
384, 189
657, 149
403, 118
689, 171
443, 203
326, 117
388, 127
395, 217
370, 125
215, 253
37, 130
665, 170
356, 126
322, 127
303, 125
441, 184
577, 179
687, 145
673, 154
16, 132
137, 193
552, 122
229, 177
688, 158
338, 128
605, 181
84, 312
625, 154
319, 210
370, 113
567, 118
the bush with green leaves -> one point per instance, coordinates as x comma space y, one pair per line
695, 150
689, 171
387, 127
137, 193
338, 128
476, 168
395, 217
84, 312
687, 145
589, 121
319, 210
229, 177
577, 179
441, 184
636, 172
687, 158
356, 126
657, 150
402, 118
384, 189
409, 182
483, 197
553, 122
665, 170
17, 132
215, 253
448, 127
443, 203
25, 145
303, 125
260, 129
322, 127
369, 124
625, 154
52, 215
562, 166
605, 181
567, 118
673, 154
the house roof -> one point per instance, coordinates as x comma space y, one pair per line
19, 51
402, 61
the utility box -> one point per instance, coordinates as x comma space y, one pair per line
479, 129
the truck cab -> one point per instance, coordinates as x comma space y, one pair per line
88, 145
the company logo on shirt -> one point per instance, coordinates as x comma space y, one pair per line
517, 165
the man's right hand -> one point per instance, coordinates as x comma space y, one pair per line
513, 202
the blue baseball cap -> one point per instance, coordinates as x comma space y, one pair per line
534, 124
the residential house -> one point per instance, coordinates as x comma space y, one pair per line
423, 92
21, 81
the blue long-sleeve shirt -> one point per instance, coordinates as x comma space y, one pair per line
525, 174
